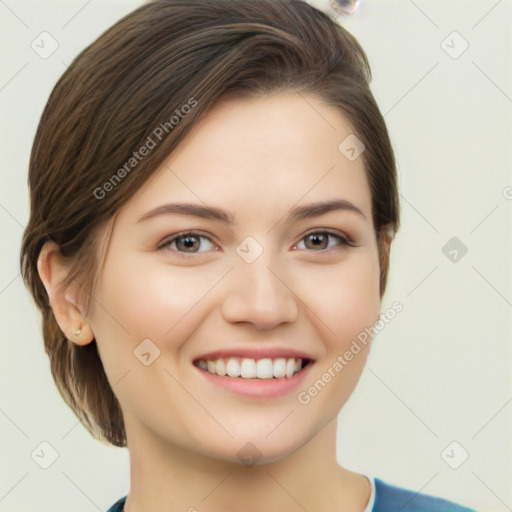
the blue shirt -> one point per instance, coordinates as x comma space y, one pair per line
388, 498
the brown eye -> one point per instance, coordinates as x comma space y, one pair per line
185, 244
318, 241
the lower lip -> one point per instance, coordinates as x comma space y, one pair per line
260, 388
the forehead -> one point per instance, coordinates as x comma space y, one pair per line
262, 154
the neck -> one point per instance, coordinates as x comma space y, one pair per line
168, 478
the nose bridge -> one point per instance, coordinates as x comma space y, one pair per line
257, 291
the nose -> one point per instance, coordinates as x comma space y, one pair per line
258, 293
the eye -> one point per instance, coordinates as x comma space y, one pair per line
320, 240
185, 244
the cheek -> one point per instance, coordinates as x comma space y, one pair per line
151, 299
346, 305
138, 300
345, 298
359, 302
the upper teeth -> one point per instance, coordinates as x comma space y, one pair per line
251, 368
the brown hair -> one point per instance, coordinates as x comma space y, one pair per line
163, 66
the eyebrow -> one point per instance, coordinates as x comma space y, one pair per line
227, 217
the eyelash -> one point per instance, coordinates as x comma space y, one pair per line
344, 241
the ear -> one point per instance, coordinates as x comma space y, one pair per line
70, 315
386, 236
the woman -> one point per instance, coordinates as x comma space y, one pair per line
213, 201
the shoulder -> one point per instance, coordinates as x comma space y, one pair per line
118, 506
389, 498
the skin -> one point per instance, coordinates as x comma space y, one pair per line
258, 158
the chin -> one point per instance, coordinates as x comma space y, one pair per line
259, 449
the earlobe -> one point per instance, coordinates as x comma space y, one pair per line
82, 335
68, 313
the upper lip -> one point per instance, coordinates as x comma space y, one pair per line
255, 353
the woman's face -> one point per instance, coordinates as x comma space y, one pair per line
265, 278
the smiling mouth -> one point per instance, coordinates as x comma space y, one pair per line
247, 368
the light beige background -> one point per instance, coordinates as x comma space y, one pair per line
439, 372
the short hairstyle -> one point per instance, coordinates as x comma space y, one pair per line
164, 66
